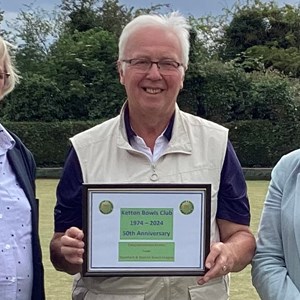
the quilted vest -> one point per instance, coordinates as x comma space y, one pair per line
195, 154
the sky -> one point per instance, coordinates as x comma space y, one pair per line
197, 8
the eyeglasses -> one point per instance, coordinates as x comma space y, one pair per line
4, 75
165, 66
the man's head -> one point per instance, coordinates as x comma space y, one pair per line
153, 57
173, 22
8, 73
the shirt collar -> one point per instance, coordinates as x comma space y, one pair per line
130, 133
6, 140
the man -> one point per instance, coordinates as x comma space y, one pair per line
153, 141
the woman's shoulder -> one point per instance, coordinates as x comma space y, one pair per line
288, 165
291, 158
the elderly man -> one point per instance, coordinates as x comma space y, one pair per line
152, 140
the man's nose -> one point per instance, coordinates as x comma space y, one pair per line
154, 72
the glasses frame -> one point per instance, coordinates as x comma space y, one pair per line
157, 63
4, 74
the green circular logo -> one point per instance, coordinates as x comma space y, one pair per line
106, 207
186, 207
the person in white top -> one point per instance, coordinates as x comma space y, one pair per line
21, 269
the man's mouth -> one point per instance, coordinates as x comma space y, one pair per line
152, 91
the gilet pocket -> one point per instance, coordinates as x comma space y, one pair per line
91, 296
217, 289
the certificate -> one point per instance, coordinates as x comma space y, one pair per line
146, 229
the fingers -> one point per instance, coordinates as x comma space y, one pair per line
72, 246
73, 255
74, 232
219, 262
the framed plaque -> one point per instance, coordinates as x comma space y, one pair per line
146, 229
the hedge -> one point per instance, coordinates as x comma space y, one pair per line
258, 143
49, 142
261, 143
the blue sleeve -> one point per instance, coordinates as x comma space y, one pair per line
68, 208
233, 203
275, 266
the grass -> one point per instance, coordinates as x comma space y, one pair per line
58, 284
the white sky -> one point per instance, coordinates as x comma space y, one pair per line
196, 8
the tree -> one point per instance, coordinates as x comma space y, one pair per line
265, 32
84, 68
80, 15
34, 30
110, 15
2, 32
36, 99
249, 26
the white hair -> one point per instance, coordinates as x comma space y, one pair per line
8, 67
174, 22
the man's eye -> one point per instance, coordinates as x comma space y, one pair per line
168, 64
140, 63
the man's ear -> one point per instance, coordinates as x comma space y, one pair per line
121, 72
181, 83
182, 79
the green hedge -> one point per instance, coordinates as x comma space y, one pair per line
261, 143
49, 142
258, 143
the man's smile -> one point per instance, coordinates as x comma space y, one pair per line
152, 90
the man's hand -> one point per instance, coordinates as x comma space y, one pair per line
66, 250
232, 254
219, 262
72, 246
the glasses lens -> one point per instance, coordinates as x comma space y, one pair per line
164, 66
141, 64
168, 65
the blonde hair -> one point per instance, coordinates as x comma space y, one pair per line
8, 67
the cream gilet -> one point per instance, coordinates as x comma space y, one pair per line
195, 154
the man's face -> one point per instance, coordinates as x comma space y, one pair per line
151, 92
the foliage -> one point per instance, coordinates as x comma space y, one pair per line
189, 96
244, 67
84, 68
110, 15
273, 97
261, 143
286, 61
222, 92
113, 16
2, 32
35, 99
258, 143
266, 32
52, 137
80, 15
210, 31
247, 28
33, 31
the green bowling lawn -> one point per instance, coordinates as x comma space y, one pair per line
58, 284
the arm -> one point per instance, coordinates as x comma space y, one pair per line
66, 250
240, 244
66, 246
270, 275
237, 244
235, 250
